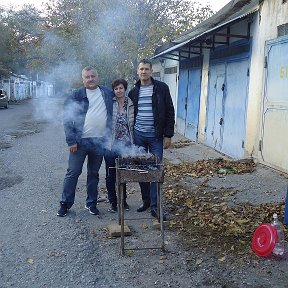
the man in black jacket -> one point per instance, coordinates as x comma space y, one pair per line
87, 122
154, 123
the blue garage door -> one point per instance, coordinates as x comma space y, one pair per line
181, 101
189, 98
214, 115
227, 102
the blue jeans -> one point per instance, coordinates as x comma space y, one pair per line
110, 157
153, 146
94, 150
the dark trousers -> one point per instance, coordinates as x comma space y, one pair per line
92, 148
153, 146
110, 157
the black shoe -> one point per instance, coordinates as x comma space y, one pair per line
143, 207
155, 214
126, 206
63, 211
92, 210
113, 208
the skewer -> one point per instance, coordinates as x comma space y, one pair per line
131, 169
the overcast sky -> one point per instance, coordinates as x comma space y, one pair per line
215, 4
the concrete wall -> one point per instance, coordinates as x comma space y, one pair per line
271, 14
203, 97
170, 79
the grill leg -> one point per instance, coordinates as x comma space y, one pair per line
121, 213
160, 208
118, 186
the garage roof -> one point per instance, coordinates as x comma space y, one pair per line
231, 13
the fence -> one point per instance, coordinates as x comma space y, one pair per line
19, 88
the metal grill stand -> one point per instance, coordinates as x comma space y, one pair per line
129, 170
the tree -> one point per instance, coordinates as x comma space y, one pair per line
5, 57
153, 22
111, 35
23, 29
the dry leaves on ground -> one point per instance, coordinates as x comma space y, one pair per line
203, 213
181, 143
208, 168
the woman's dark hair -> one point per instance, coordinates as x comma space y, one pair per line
119, 81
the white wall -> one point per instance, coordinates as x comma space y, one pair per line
272, 14
203, 97
170, 79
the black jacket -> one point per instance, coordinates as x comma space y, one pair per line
75, 109
162, 106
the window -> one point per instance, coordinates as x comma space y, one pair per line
156, 74
171, 70
282, 29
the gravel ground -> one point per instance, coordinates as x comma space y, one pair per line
39, 249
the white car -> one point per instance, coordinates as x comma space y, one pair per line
3, 99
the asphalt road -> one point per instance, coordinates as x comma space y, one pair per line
39, 249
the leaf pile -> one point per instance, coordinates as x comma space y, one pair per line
203, 213
181, 143
204, 168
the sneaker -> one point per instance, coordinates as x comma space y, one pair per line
126, 206
102, 198
113, 208
63, 211
92, 210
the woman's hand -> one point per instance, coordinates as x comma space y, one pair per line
73, 148
166, 142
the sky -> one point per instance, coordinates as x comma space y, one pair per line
215, 4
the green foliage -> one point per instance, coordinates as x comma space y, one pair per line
111, 35
23, 29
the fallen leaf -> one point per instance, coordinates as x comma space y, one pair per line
198, 261
189, 203
30, 261
54, 253
130, 252
144, 226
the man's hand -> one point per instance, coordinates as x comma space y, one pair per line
166, 142
73, 148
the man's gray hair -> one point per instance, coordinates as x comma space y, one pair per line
89, 68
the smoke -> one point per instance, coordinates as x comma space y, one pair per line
53, 87
121, 148
131, 151
48, 103
94, 44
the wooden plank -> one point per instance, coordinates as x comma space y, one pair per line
115, 230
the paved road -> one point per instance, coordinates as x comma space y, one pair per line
39, 249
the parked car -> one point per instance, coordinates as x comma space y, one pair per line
3, 99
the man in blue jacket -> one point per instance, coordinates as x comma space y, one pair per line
87, 122
154, 123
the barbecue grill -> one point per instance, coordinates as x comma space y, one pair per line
140, 168
144, 168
